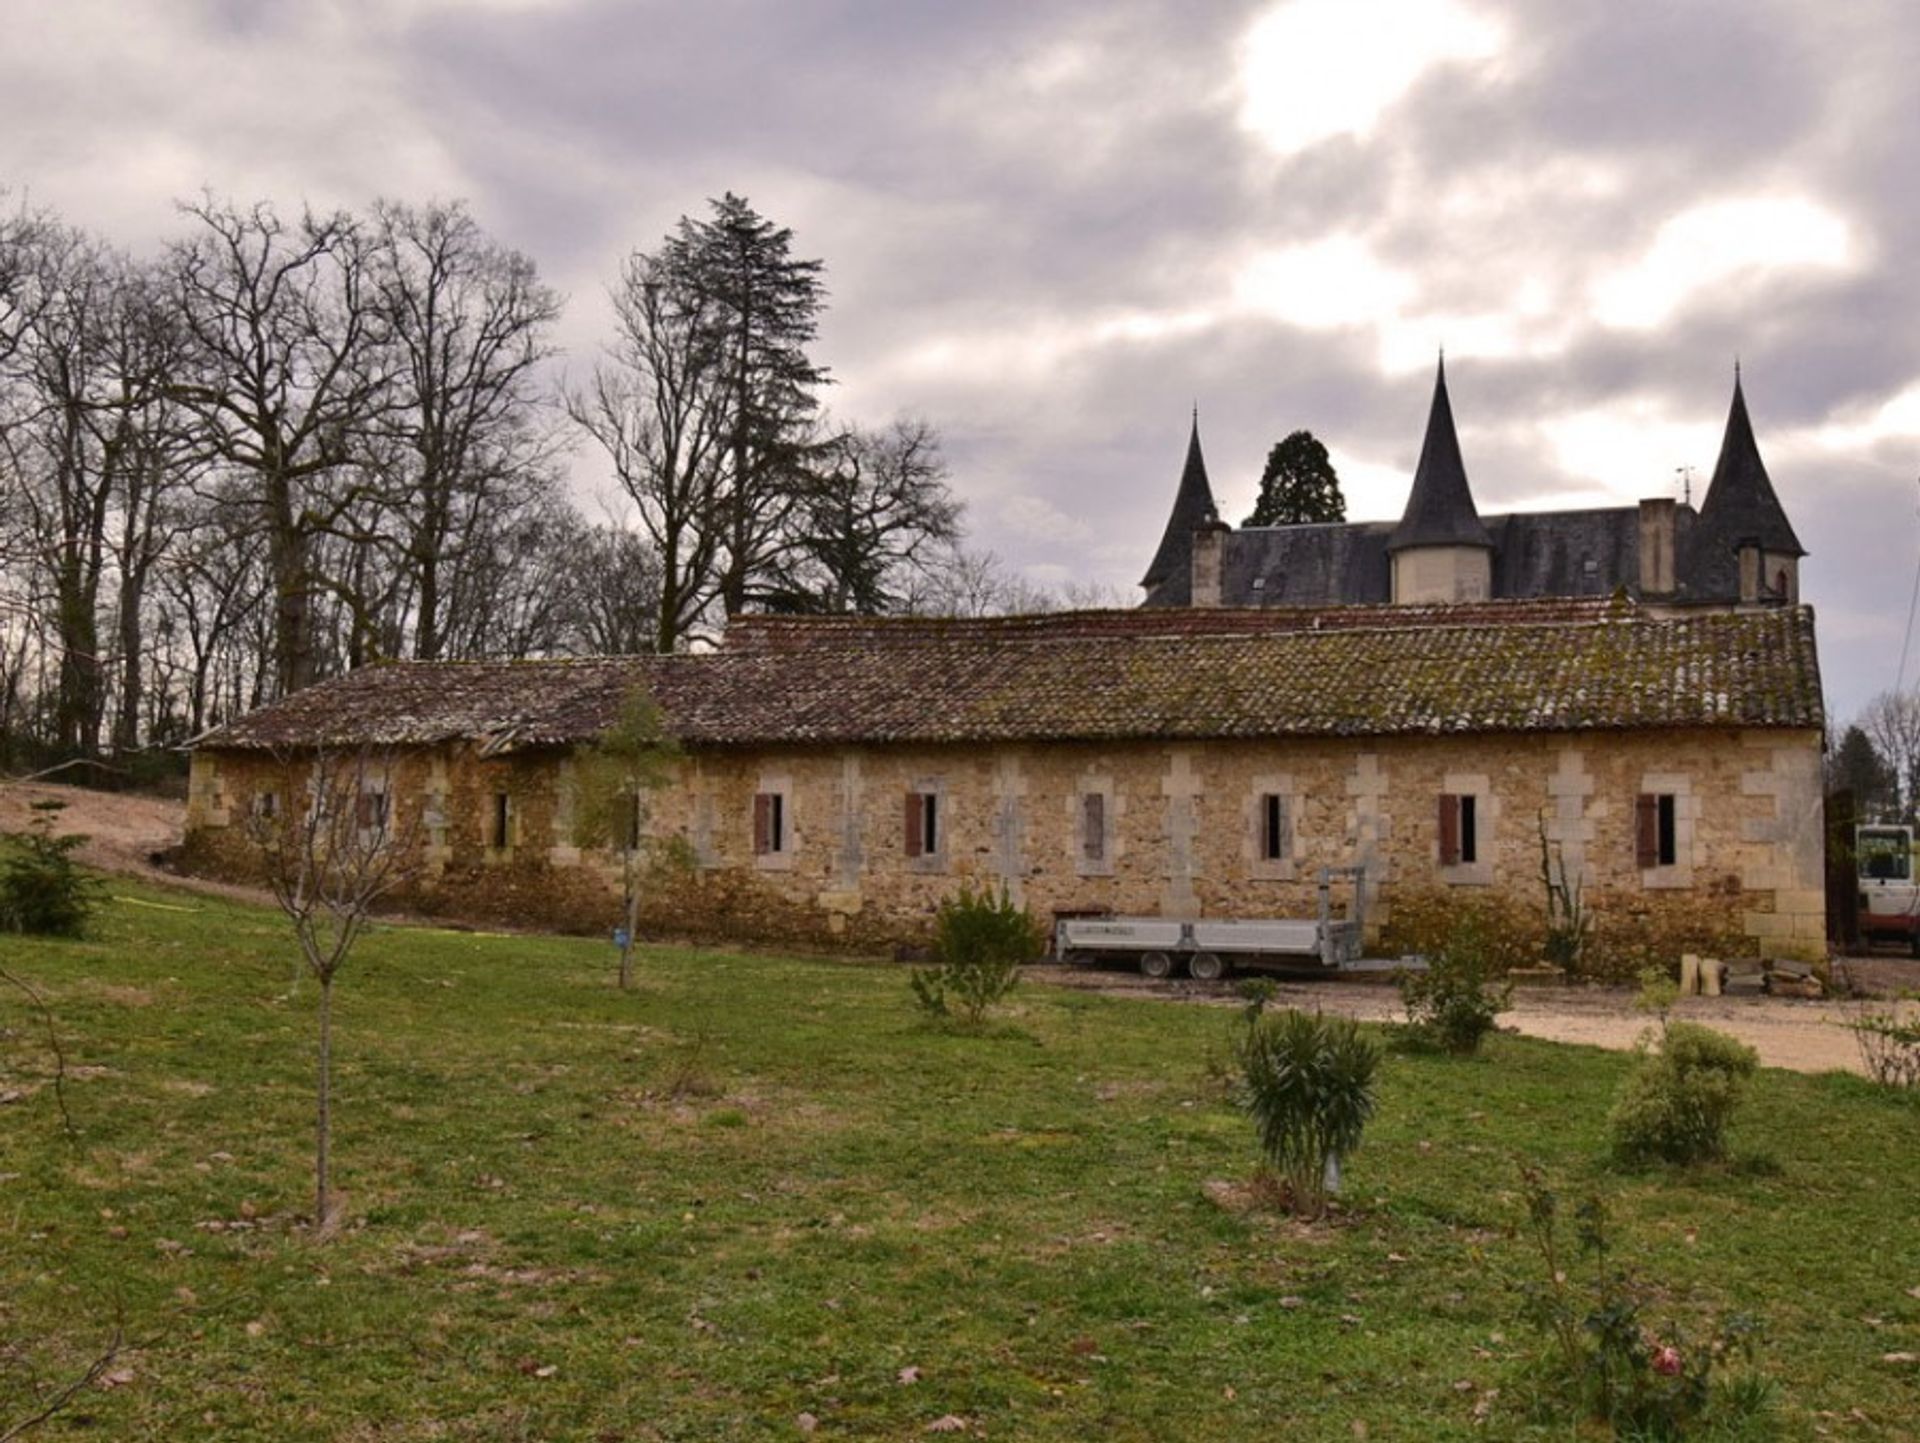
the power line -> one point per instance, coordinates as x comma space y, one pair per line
1900, 677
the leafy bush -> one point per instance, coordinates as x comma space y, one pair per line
1453, 1004
1889, 1040
1307, 1083
980, 940
1676, 1103
1614, 1367
42, 889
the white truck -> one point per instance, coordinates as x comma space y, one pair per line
1889, 899
1209, 949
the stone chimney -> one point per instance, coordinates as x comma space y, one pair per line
1209, 551
1751, 581
1657, 546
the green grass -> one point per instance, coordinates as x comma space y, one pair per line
757, 1187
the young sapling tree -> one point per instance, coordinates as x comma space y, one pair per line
614, 783
328, 857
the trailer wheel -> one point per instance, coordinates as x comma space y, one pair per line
1155, 964
1206, 967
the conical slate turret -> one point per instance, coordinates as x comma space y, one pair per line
1193, 507
1740, 506
1440, 509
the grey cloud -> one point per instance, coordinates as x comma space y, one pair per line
1016, 174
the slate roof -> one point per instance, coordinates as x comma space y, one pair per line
1588, 552
1740, 507
1109, 676
1193, 507
1440, 509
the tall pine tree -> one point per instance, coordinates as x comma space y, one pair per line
763, 305
1298, 485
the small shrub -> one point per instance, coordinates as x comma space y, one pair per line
1608, 1361
43, 891
1676, 1103
980, 940
1453, 1004
1306, 1081
1889, 1041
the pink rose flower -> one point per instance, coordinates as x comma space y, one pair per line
1666, 1360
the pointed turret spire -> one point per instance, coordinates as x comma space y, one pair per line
1740, 505
1193, 507
1440, 509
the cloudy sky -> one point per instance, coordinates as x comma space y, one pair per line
1051, 226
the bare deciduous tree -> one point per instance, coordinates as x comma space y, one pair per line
468, 321
1892, 722
650, 406
876, 517
286, 340
331, 845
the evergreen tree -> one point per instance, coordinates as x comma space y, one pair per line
1856, 766
762, 307
1298, 485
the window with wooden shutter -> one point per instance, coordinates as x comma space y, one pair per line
763, 841
1276, 840
371, 810
1449, 825
1469, 829
502, 828
1093, 826
916, 836
1656, 830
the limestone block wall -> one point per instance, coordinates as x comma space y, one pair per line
1180, 832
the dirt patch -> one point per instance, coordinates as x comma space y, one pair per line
1797, 1036
124, 831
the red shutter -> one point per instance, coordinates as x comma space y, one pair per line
762, 824
1449, 823
1646, 830
1093, 826
916, 823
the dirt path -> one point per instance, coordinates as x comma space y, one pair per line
1798, 1036
124, 832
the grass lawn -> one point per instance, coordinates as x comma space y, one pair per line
756, 1188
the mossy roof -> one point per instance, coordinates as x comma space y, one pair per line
1108, 676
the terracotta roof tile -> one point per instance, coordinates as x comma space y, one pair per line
1357, 671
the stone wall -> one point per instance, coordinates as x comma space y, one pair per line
1181, 833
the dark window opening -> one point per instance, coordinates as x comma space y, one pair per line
769, 823
372, 810
500, 834
923, 824
1656, 841
1273, 828
1459, 829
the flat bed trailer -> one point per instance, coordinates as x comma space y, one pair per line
1209, 949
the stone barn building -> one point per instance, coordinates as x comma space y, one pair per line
841, 776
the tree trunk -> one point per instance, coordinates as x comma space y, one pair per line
292, 611
633, 918
323, 1121
126, 725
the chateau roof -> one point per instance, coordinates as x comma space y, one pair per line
1193, 507
1107, 676
1440, 509
1740, 508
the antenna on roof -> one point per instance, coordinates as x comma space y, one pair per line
1685, 473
